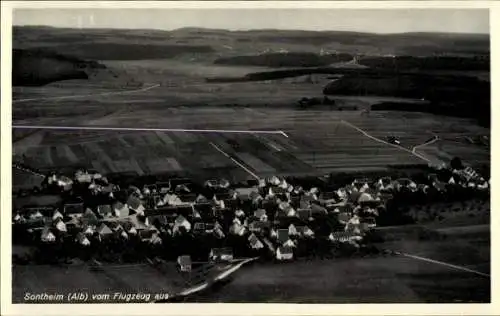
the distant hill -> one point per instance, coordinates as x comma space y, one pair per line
257, 41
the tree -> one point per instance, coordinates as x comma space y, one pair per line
456, 163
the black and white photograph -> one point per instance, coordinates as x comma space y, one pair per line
246, 155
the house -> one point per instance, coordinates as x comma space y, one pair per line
105, 211
239, 213
244, 194
305, 214
104, 230
135, 204
88, 229
184, 263
343, 237
284, 253
255, 243
318, 210
217, 184
284, 238
60, 225
82, 239
57, 215
237, 229
89, 217
158, 221
155, 238
258, 227
305, 231
47, 235
260, 214
181, 222
129, 228
120, 210
73, 209
221, 255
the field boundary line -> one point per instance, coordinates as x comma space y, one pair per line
444, 264
234, 160
144, 129
425, 144
88, 95
384, 142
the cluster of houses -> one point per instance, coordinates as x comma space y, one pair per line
272, 216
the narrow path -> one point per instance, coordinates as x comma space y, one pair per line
28, 170
234, 160
385, 142
443, 264
87, 95
436, 138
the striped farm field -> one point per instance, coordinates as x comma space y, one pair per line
220, 141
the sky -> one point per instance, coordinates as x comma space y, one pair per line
359, 20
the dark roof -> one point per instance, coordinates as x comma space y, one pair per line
285, 249
74, 208
304, 214
259, 225
283, 235
133, 202
157, 220
259, 213
104, 209
146, 233
222, 251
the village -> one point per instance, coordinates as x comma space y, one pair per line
178, 220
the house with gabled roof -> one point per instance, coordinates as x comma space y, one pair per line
88, 229
181, 222
60, 225
184, 263
104, 230
239, 213
221, 255
105, 211
57, 215
135, 204
255, 243
258, 227
305, 214
82, 239
73, 209
305, 231
89, 217
260, 214
284, 253
121, 210
237, 228
284, 238
129, 228
47, 235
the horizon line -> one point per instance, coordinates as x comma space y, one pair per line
243, 30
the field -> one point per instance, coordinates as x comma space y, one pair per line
311, 142
397, 279
366, 280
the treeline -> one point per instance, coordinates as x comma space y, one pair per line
293, 59
447, 95
35, 67
428, 63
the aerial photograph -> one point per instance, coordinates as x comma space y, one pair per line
250, 155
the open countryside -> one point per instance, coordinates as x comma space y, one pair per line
251, 166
